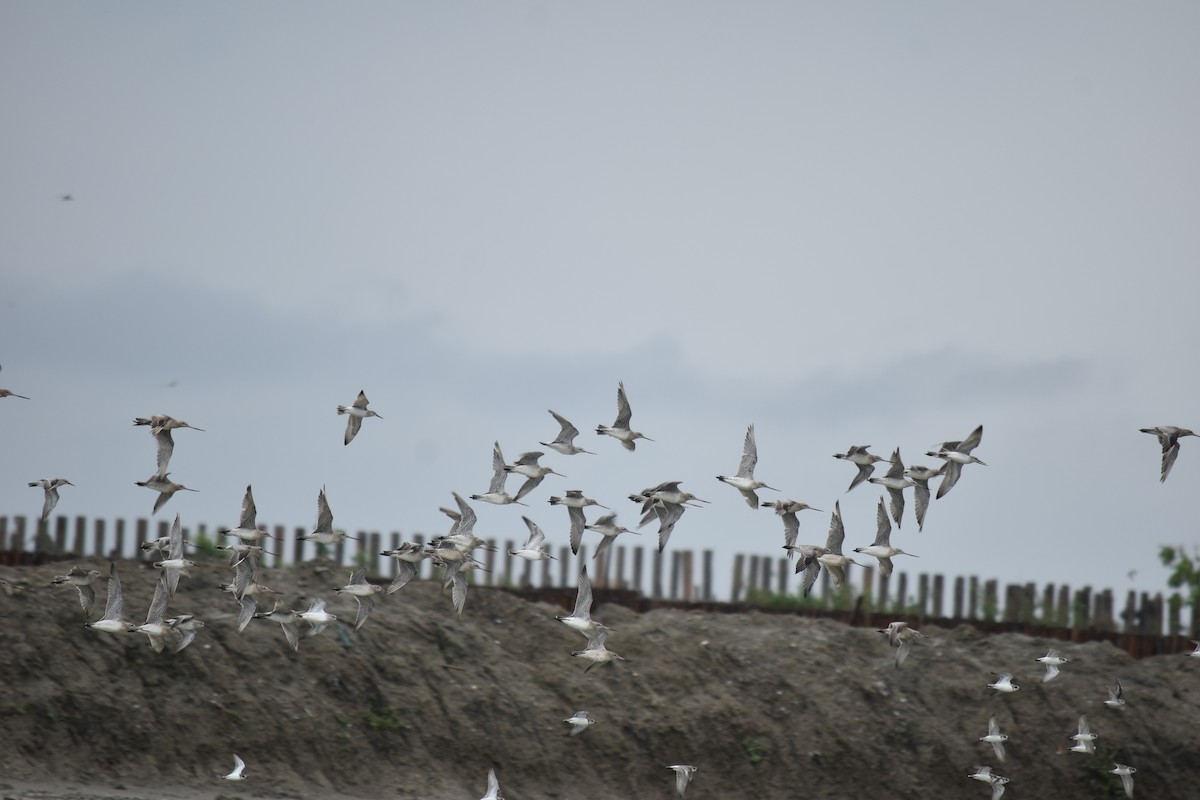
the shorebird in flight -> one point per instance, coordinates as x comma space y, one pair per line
882, 548
496, 494
956, 454
744, 481
50, 487
527, 465
620, 429
1168, 437
565, 441
895, 481
165, 487
356, 413
858, 455
160, 428
83, 581
683, 776
787, 509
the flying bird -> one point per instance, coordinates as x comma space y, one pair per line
160, 428
165, 487
787, 509
50, 486
527, 465
496, 493
683, 776
995, 738
858, 455
82, 580
744, 481
620, 429
565, 441
237, 773
956, 455
882, 548
1168, 437
895, 481
356, 413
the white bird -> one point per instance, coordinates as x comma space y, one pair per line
744, 481
982, 773
787, 510
920, 476
581, 618
579, 722
832, 559
596, 652
408, 557
882, 548
995, 738
324, 532
895, 481
356, 412
493, 790
1116, 696
683, 776
1053, 661
174, 564
858, 455
535, 545
165, 487
1004, 683
608, 528
1126, 774
238, 767
527, 465
82, 580
155, 627
247, 529
620, 429
50, 486
565, 441
1084, 739
160, 428
901, 636
1168, 437
363, 592
575, 502
186, 626
317, 618
288, 620
496, 493
956, 454
113, 620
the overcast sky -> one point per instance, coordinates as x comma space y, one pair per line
869, 223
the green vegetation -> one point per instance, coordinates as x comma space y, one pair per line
384, 719
204, 546
754, 750
1184, 578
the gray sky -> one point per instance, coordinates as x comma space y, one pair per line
869, 223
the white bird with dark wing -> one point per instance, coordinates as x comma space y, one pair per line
528, 466
1168, 438
895, 481
745, 481
683, 776
581, 618
165, 487
620, 429
579, 722
787, 510
83, 581
50, 487
956, 455
565, 441
356, 413
496, 494
160, 428
324, 532
882, 548
113, 620
362, 591
858, 455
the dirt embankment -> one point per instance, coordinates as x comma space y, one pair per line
419, 704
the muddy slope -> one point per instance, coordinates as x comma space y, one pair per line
419, 704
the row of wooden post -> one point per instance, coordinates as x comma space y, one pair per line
753, 579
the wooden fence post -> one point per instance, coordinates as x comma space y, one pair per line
637, 569
80, 537
783, 576
1062, 615
939, 588
688, 588
901, 593
922, 595
991, 602
708, 575
958, 597
119, 546
656, 578
739, 563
